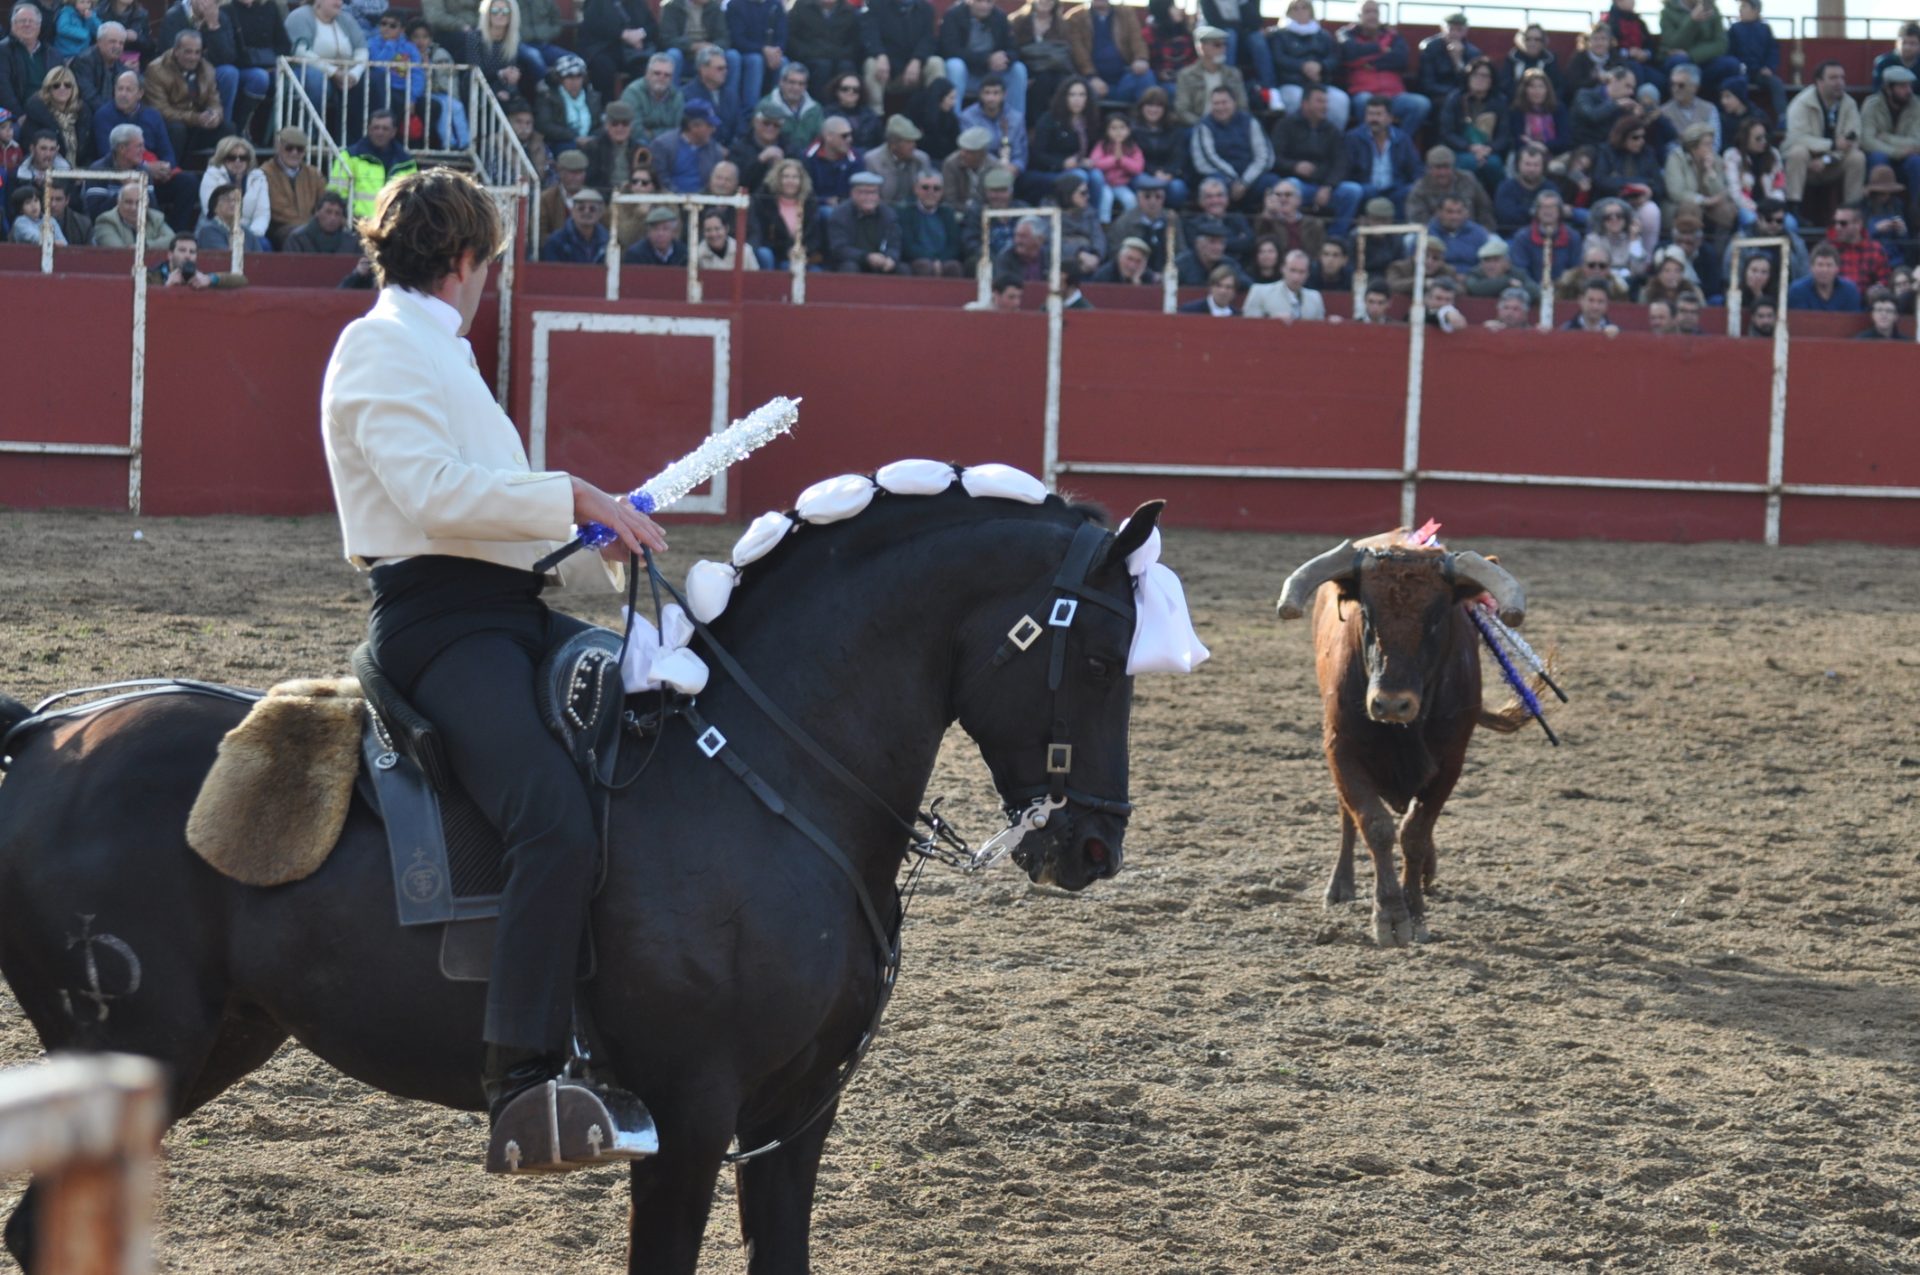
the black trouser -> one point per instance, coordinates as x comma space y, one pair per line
461, 639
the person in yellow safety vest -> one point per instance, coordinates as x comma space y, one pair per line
370, 164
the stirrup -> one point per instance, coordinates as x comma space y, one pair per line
564, 1124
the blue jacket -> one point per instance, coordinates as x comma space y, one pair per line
1754, 44
152, 127
1513, 204
757, 24
1463, 245
1541, 262
726, 108
1845, 298
565, 244
833, 179
1009, 124
1400, 154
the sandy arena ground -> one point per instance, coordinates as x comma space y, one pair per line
1669, 1021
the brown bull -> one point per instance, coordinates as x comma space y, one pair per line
1399, 669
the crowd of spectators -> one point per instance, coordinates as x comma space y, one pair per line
870, 140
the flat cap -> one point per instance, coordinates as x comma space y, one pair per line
975, 139
571, 161
1896, 75
619, 112
998, 179
1379, 206
865, 179
660, 214
902, 129
589, 195
1493, 247
1206, 33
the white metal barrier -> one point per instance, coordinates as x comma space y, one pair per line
136, 408
692, 204
507, 199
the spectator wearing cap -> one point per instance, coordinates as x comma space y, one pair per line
1149, 220
658, 106
1381, 158
1885, 211
1193, 87
1510, 312
1668, 278
689, 27
930, 238
1377, 252
1208, 239
1229, 144
824, 36
800, 116
610, 151
1305, 56
1400, 274
1823, 138
660, 244
1223, 285
1246, 33
1442, 178
759, 148
1546, 247
897, 39
832, 162
556, 201
976, 40
757, 29
582, 238
1595, 300
1863, 262
969, 164
328, 231
566, 113
1374, 59
1444, 59
1132, 264
683, 160
1005, 126
293, 185
1460, 238
898, 162
713, 83
1312, 152
1110, 49
1288, 298
1890, 126
1696, 181
983, 237
863, 233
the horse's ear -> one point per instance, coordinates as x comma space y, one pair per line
1135, 533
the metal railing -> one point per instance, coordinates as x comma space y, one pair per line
691, 204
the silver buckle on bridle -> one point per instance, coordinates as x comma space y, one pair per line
1032, 819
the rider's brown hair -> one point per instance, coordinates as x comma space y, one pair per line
424, 223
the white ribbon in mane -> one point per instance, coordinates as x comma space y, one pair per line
1163, 636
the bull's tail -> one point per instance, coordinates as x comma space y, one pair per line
1513, 714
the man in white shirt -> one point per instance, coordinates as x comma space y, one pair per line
437, 501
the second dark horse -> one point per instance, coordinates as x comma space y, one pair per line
736, 971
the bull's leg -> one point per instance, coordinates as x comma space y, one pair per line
776, 1197
1416, 839
1340, 884
1392, 924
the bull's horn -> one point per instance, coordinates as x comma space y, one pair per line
1471, 569
1336, 563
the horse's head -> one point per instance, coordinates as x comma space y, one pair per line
1045, 693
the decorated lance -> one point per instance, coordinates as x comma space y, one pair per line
734, 443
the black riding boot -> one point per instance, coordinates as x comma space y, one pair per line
546, 1118
510, 1072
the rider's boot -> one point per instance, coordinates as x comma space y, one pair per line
545, 1120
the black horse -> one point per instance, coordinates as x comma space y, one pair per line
735, 969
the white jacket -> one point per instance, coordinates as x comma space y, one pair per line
422, 458
1276, 301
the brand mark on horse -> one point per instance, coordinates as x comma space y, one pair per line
95, 993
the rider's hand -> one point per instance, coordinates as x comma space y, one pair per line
635, 529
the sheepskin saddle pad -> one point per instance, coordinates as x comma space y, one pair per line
273, 805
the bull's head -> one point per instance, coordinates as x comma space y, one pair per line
1405, 596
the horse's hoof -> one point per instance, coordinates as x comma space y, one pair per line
1392, 931
1339, 892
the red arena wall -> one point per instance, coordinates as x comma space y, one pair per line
233, 378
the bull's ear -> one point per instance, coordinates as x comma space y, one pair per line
1135, 533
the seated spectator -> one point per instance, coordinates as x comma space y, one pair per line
327, 230
1169, 36
968, 166
658, 105
1333, 272
1628, 170
1118, 159
683, 160
930, 239
43, 157
1530, 53
1754, 170
1597, 109
847, 97
1376, 305
1443, 178
120, 225
1110, 50
1209, 249
1193, 87
1311, 151
181, 269
757, 31
520, 120
12, 154
1223, 285
1305, 56
1492, 274
1513, 201
1460, 239
899, 163
128, 106
1736, 108
232, 165
863, 234
26, 55
495, 49
1751, 42
428, 83
1441, 311
1377, 252
1282, 219
1863, 262
1213, 203
723, 181
1890, 127
661, 244
1290, 298
1268, 258
181, 86
800, 116
1635, 39
976, 41
1594, 267
935, 111
57, 108
94, 70
25, 205
1696, 181
566, 113
716, 82
1131, 264
1545, 248
823, 38
1824, 288
1374, 60
1660, 318
1595, 58
1510, 312
371, 164
75, 225
1149, 221
1595, 299
1614, 232
785, 217
1757, 281
718, 249
1062, 139
610, 150
1081, 235
1229, 144
217, 230
1820, 154
1904, 53
582, 238
755, 154
1536, 118
1686, 313
294, 187
1006, 297
1885, 211
333, 47
172, 189
1704, 269
898, 39
1772, 222
1693, 31
1400, 273
990, 239
1668, 278
1687, 108
1446, 60
1163, 141
1026, 255
1762, 320
1005, 127
1885, 313
1473, 124
832, 164
1246, 38
570, 170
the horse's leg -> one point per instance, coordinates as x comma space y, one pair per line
672, 1193
776, 1197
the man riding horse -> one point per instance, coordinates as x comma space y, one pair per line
437, 503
